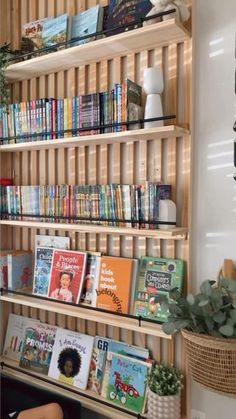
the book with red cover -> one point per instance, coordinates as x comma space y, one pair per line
67, 274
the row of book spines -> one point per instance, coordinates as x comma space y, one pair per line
109, 202
46, 116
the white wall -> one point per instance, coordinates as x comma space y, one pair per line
214, 190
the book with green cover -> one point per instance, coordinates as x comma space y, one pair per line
156, 276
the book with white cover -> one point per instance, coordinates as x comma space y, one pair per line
57, 242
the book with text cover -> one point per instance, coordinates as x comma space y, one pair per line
15, 335
88, 295
37, 347
127, 383
20, 270
42, 269
57, 242
32, 35
71, 358
87, 23
115, 284
156, 276
67, 275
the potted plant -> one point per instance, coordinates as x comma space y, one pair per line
207, 322
164, 388
4, 89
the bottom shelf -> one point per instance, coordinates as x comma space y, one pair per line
87, 398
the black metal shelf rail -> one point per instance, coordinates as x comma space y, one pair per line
74, 131
139, 319
137, 23
71, 389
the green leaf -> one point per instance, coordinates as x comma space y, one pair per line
232, 314
174, 309
229, 284
169, 328
219, 317
203, 303
191, 299
227, 330
210, 323
206, 288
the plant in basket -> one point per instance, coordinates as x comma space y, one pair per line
164, 388
207, 322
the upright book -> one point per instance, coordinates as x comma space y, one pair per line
156, 276
15, 335
67, 274
37, 347
87, 23
57, 242
88, 295
71, 358
42, 269
19, 266
114, 290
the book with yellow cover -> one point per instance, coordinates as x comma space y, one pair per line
114, 288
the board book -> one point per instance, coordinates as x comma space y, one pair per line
71, 358
156, 276
67, 274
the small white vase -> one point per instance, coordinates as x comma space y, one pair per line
163, 407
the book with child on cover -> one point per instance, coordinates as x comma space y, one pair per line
71, 358
67, 274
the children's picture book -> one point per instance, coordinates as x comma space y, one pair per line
57, 242
156, 276
88, 295
127, 382
67, 275
115, 283
19, 266
37, 347
3, 268
99, 368
15, 335
32, 35
56, 31
42, 269
87, 23
71, 358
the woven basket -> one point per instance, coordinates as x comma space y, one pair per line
212, 361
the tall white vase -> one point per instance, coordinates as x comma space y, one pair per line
153, 86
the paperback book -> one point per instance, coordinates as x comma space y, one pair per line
156, 276
3, 269
67, 274
37, 347
56, 31
42, 269
88, 295
87, 23
57, 242
32, 35
19, 267
71, 358
15, 335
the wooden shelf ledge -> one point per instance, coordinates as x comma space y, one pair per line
176, 233
99, 139
153, 329
146, 38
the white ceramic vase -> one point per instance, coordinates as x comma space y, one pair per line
153, 86
163, 407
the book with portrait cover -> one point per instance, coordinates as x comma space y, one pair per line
114, 289
156, 276
88, 295
71, 358
15, 335
37, 347
67, 275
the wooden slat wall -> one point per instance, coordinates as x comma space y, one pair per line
167, 160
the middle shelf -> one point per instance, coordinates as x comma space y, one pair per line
134, 324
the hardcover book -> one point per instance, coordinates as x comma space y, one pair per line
15, 335
19, 266
37, 347
71, 358
56, 31
67, 274
88, 295
42, 269
57, 242
87, 23
32, 35
3, 268
115, 283
156, 276
127, 382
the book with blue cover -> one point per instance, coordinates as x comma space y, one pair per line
19, 265
55, 31
43, 263
87, 23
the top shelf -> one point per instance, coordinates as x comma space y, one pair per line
149, 37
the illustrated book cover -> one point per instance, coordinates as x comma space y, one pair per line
56, 31
3, 268
71, 358
42, 269
86, 23
32, 35
37, 347
67, 275
115, 283
127, 382
15, 335
57, 242
156, 276
20, 270
88, 295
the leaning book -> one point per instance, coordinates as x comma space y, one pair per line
71, 358
42, 269
56, 31
32, 36
86, 23
57, 242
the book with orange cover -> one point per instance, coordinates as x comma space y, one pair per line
115, 284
